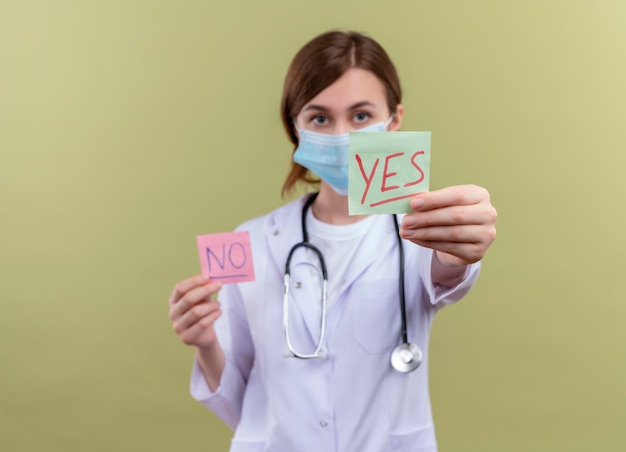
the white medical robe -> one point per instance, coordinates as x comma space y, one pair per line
350, 400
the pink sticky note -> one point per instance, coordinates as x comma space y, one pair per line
226, 257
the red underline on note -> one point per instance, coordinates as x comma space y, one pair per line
392, 200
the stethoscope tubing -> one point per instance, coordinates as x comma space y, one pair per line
405, 338
305, 244
404, 358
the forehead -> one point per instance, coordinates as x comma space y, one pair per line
353, 87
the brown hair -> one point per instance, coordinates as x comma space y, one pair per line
318, 65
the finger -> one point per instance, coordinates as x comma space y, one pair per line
195, 314
449, 216
467, 252
449, 196
453, 234
186, 285
192, 297
191, 334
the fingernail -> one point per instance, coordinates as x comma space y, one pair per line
408, 221
417, 203
406, 234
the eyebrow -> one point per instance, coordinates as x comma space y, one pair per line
361, 104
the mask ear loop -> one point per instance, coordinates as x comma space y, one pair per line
389, 121
296, 130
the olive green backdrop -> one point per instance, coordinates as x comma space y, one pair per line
128, 127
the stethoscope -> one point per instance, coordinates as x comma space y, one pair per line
406, 357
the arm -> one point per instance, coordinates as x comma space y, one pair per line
216, 383
193, 314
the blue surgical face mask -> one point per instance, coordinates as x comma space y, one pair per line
327, 155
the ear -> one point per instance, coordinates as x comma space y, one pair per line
396, 122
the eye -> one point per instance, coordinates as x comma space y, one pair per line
361, 117
320, 120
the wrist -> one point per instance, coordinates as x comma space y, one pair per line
447, 270
212, 362
448, 260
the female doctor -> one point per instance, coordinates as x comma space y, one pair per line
334, 358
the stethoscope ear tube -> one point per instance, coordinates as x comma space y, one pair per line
305, 244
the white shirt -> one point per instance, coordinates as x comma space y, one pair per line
351, 400
338, 244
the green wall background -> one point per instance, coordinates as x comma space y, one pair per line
128, 127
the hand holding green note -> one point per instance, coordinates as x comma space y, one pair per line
386, 169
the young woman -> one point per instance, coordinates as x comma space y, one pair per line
342, 367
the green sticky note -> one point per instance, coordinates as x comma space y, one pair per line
386, 169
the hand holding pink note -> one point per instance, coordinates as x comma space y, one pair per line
226, 257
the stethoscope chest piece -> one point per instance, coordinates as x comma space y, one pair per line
406, 357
